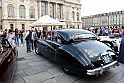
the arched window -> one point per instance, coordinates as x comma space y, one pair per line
21, 0
22, 11
31, 12
73, 16
43, 8
31, 1
66, 15
10, 9
52, 10
77, 16
58, 11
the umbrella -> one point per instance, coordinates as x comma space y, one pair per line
46, 21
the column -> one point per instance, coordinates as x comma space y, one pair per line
4, 11
48, 8
55, 12
16, 14
27, 9
39, 9
62, 12
4, 15
122, 18
70, 13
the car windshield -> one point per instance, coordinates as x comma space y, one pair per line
116, 35
84, 36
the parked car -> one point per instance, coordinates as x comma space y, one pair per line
77, 51
8, 56
112, 41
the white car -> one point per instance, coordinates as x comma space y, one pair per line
111, 41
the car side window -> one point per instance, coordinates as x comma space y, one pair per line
59, 39
56, 37
48, 35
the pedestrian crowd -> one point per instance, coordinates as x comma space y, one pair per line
105, 31
28, 37
15, 37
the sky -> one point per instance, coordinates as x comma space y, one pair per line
92, 7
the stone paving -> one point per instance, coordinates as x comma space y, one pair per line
34, 68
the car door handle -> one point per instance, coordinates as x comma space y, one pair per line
9, 60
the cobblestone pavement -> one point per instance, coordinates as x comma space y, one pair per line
34, 68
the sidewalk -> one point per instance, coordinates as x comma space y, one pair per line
34, 68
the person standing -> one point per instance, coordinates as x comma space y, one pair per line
17, 37
33, 38
24, 34
10, 37
120, 31
39, 34
4, 33
120, 59
21, 35
28, 40
36, 31
101, 31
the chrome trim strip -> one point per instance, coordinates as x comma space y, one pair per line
101, 69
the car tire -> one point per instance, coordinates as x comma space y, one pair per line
66, 71
36, 50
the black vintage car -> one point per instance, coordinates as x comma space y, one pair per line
77, 51
8, 56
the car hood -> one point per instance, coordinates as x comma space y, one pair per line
92, 49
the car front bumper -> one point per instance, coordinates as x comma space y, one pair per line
100, 70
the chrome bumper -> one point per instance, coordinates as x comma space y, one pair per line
100, 70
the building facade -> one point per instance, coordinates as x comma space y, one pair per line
111, 19
20, 13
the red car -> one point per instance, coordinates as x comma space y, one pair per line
8, 56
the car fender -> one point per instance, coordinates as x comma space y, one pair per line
75, 54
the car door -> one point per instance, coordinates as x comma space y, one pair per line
54, 44
12, 60
8, 56
43, 47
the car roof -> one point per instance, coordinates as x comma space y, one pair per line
72, 31
65, 33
